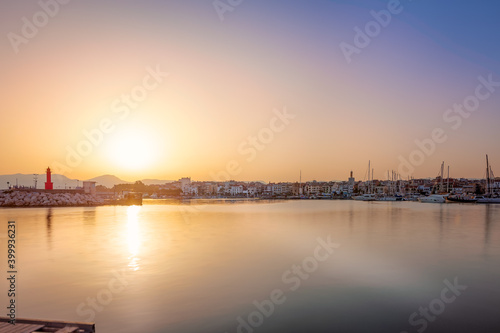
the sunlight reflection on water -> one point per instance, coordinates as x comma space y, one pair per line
133, 236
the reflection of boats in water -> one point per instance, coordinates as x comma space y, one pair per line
129, 199
462, 198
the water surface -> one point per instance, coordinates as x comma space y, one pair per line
199, 266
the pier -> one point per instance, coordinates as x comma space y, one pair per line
38, 326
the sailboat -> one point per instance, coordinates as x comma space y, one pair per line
436, 198
459, 197
393, 183
489, 197
463, 198
367, 196
433, 198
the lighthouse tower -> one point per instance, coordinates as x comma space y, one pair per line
48, 184
351, 180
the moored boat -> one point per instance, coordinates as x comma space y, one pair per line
488, 199
464, 198
436, 198
490, 196
365, 197
386, 198
433, 198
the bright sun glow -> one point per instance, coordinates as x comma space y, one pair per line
133, 149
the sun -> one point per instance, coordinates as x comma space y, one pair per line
133, 149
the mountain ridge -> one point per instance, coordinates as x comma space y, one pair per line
61, 181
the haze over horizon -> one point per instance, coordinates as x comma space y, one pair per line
259, 95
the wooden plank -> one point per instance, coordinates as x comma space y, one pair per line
67, 329
18, 328
85, 327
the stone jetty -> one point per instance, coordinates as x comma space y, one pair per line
47, 199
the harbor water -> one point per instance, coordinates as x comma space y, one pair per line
260, 266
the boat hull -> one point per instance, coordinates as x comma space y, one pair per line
489, 200
432, 199
366, 197
462, 200
387, 199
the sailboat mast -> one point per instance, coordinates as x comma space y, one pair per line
487, 175
448, 183
372, 182
442, 174
492, 180
300, 183
369, 183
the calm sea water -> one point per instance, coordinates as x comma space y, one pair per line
212, 266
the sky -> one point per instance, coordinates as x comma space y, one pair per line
249, 90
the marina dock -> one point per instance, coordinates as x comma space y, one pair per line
38, 326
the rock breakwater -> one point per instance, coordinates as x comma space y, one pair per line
44, 199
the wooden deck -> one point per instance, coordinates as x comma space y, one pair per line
38, 326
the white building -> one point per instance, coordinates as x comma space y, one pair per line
277, 189
185, 182
89, 187
236, 190
190, 189
252, 191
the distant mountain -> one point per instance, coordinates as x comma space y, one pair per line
155, 181
61, 181
109, 180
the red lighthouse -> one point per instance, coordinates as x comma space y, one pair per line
48, 184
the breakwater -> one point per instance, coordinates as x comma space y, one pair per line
47, 199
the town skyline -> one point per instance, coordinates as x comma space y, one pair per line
27, 180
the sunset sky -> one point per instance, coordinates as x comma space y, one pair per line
229, 79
